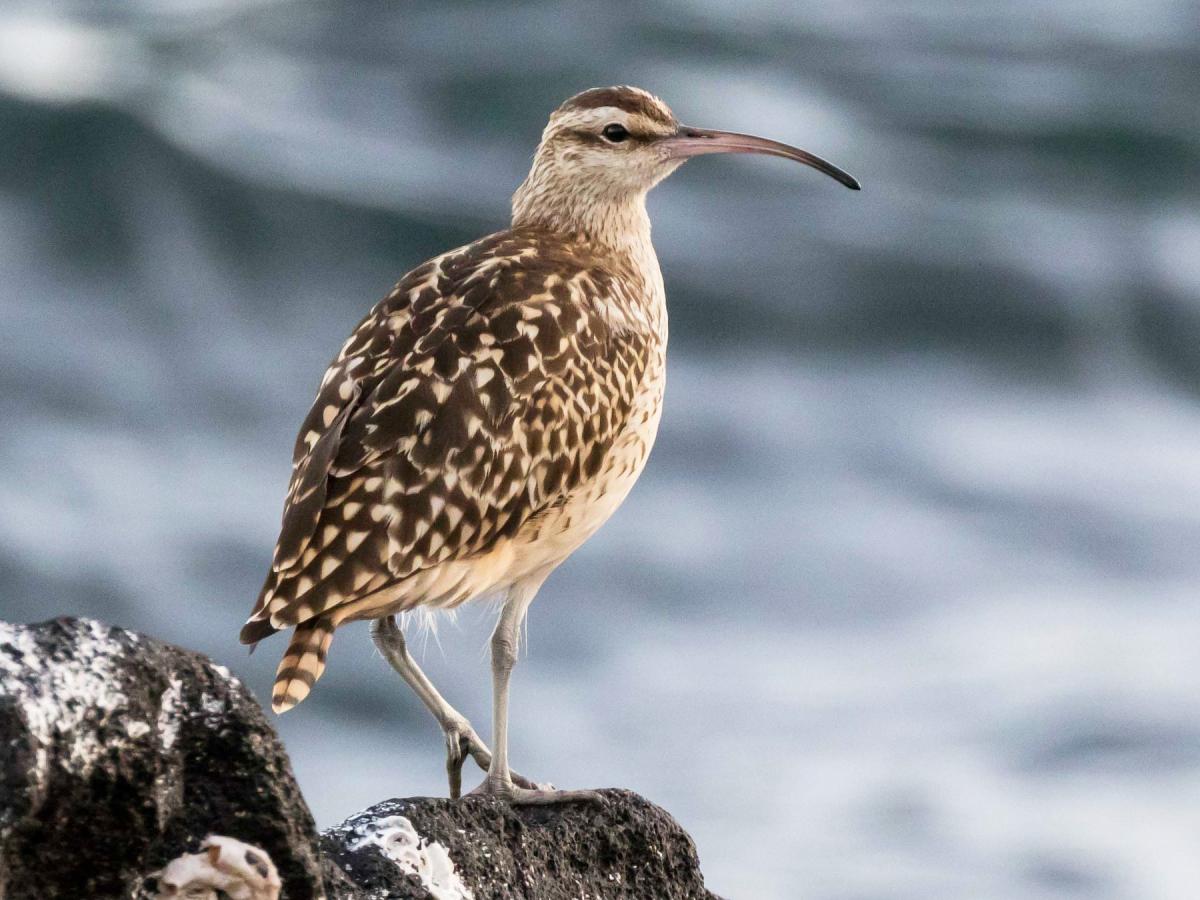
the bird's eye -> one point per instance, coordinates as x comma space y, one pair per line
615, 133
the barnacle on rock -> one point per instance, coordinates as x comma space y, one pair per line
238, 871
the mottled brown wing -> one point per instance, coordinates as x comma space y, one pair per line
320, 439
482, 390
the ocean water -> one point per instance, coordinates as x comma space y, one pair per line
906, 603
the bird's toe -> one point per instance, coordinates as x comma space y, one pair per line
534, 795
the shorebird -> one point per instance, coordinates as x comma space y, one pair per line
489, 414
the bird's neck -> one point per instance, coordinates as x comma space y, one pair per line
614, 224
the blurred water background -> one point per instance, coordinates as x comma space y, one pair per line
905, 605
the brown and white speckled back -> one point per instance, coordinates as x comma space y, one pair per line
480, 423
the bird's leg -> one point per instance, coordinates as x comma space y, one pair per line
461, 738
501, 781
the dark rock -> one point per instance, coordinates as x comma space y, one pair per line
623, 848
119, 753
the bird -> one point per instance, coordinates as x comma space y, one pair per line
488, 415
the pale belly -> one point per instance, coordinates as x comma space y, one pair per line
548, 539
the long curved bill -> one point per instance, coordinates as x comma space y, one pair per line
688, 142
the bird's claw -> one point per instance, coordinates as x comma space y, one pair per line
461, 742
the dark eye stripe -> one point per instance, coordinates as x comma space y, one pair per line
592, 137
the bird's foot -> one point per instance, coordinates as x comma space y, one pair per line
533, 795
461, 742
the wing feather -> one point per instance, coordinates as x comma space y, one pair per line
480, 392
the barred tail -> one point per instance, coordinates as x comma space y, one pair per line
302, 665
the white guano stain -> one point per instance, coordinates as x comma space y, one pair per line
398, 840
58, 696
136, 729
168, 713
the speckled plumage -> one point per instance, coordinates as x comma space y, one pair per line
458, 437
490, 414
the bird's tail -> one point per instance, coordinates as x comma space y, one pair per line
303, 663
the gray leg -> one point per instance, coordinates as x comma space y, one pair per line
461, 738
505, 645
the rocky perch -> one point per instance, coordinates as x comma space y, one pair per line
132, 768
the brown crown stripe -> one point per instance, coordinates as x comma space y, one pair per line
628, 99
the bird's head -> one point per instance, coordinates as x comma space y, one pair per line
605, 148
